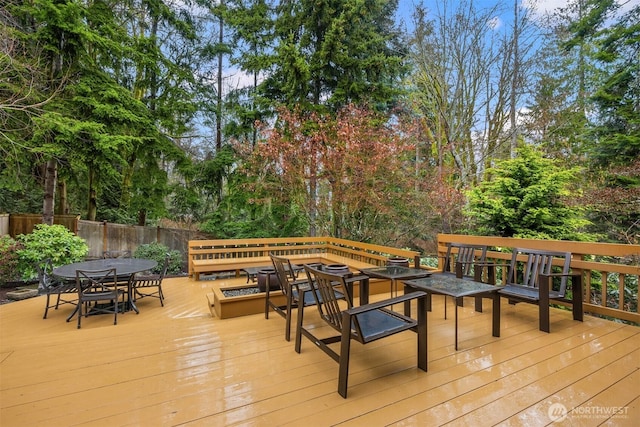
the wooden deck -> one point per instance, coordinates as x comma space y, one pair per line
177, 365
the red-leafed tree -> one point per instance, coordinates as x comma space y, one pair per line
351, 174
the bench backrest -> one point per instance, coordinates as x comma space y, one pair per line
527, 264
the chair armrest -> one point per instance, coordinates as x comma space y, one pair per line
385, 303
302, 285
357, 278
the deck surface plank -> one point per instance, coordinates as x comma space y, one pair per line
178, 366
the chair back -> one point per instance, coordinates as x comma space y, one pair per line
284, 272
327, 300
463, 256
526, 272
165, 267
95, 281
45, 279
116, 254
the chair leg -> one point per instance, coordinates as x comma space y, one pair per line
298, 344
345, 347
46, 308
576, 292
80, 314
287, 332
422, 333
543, 304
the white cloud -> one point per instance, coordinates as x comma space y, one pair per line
547, 6
544, 6
495, 23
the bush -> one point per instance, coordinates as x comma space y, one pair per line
158, 252
55, 242
9, 259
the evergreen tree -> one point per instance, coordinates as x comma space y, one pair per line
330, 53
527, 197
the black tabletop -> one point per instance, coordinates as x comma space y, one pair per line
447, 284
123, 266
395, 272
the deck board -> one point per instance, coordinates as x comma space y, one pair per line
177, 365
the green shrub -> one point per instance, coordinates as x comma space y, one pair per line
55, 242
9, 259
158, 252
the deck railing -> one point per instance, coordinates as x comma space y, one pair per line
610, 271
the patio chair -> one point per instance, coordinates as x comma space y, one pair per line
530, 279
292, 289
296, 292
467, 261
149, 285
94, 286
461, 260
365, 323
123, 279
116, 254
63, 290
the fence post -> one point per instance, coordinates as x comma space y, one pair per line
104, 236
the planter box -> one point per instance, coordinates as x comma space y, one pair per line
225, 307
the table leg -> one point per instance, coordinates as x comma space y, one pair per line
364, 291
407, 305
456, 305
479, 304
132, 302
496, 314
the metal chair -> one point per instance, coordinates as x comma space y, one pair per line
149, 285
116, 254
295, 291
530, 279
94, 286
461, 259
52, 286
365, 323
467, 261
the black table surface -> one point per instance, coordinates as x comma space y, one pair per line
123, 266
395, 272
447, 284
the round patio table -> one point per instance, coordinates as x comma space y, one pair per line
124, 267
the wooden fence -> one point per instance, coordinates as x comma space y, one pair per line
23, 223
102, 236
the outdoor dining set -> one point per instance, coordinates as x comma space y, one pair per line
529, 277
113, 284
110, 285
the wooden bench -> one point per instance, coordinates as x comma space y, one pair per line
212, 256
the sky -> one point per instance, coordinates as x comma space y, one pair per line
405, 7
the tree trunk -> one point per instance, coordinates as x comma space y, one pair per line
219, 97
51, 173
514, 82
92, 205
61, 207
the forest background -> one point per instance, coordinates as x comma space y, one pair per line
255, 118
